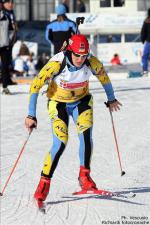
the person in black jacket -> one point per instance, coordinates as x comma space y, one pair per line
145, 38
6, 36
60, 29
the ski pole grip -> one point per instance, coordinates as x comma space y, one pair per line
106, 104
32, 118
109, 102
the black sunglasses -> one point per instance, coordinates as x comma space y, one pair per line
78, 55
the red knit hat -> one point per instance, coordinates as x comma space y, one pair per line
78, 43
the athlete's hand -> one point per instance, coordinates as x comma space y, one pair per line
30, 123
113, 105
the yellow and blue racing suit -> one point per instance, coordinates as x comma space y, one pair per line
68, 95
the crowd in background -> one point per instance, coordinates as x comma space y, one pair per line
26, 63
57, 33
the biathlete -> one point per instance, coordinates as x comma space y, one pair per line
68, 95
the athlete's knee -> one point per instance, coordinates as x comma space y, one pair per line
60, 130
85, 121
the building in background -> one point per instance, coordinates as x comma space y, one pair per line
31, 10
99, 6
112, 26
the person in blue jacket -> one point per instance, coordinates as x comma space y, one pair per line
60, 29
145, 38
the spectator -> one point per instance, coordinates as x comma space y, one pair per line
19, 66
31, 64
145, 37
60, 29
24, 50
66, 3
8, 6
20, 63
115, 60
7, 33
80, 6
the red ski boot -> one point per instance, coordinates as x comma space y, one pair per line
42, 189
85, 180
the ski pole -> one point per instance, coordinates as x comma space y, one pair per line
116, 142
79, 20
15, 164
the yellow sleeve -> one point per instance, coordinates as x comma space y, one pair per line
46, 73
97, 69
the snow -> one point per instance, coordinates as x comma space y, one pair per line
132, 124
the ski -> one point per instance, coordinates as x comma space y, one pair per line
104, 193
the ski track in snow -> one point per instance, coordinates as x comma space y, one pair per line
132, 125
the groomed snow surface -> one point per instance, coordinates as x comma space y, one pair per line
132, 124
